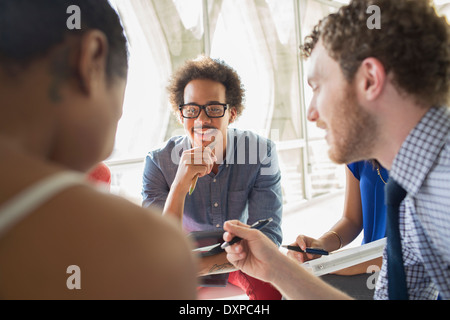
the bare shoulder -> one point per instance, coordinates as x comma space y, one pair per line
110, 247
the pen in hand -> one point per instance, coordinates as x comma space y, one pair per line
257, 225
193, 184
194, 181
307, 250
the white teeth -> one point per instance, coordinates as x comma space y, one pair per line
204, 131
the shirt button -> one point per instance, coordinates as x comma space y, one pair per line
216, 204
214, 180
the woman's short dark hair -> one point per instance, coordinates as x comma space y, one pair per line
30, 28
206, 68
412, 43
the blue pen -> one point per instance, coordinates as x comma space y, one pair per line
257, 225
307, 250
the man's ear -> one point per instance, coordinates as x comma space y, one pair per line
371, 79
233, 114
92, 60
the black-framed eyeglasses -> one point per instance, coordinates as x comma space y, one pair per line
212, 110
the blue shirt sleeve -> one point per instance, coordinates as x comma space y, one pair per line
265, 198
355, 168
372, 199
154, 186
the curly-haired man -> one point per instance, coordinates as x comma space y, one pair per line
237, 171
380, 94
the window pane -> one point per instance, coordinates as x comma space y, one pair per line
258, 38
326, 176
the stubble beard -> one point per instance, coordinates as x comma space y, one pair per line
355, 132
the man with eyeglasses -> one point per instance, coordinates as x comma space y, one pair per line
214, 173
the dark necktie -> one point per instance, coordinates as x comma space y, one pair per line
396, 272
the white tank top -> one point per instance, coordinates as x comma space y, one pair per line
17, 208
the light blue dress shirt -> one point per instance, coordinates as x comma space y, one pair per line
246, 187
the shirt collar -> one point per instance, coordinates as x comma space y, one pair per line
419, 151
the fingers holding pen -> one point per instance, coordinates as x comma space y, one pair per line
194, 163
204, 156
201, 154
199, 160
303, 242
255, 254
235, 252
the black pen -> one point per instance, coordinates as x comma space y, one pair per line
257, 225
307, 250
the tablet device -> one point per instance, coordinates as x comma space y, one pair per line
204, 239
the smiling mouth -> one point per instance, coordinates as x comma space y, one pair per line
204, 131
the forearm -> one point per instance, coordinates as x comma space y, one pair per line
215, 264
260, 258
351, 222
341, 234
174, 205
296, 283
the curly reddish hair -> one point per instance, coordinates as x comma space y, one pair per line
413, 43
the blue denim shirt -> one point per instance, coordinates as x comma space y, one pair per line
246, 187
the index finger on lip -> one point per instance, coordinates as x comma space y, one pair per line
212, 144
